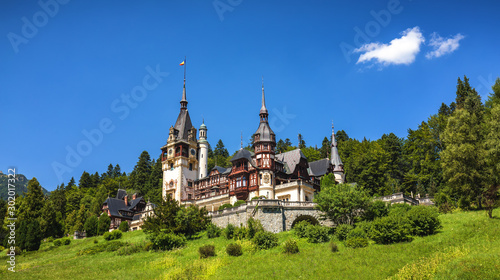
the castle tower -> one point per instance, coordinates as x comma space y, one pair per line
264, 143
203, 152
179, 156
338, 166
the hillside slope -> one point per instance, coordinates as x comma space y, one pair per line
468, 247
21, 185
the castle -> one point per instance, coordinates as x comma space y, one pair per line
263, 173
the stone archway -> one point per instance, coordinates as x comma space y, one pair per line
309, 218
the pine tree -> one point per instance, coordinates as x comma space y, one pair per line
48, 223
29, 236
33, 201
109, 173
71, 183
117, 171
325, 148
142, 173
85, 181
103, 224
220, 150
91, 225
464, 157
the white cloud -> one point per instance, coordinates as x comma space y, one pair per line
399, 51
442, 45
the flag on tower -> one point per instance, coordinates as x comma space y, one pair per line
182, 63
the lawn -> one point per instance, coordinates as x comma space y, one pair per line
467, 247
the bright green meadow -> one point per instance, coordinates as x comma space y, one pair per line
467, 247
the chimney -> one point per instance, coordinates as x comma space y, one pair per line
126, 199
134, 196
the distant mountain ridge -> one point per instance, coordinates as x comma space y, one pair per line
21, 185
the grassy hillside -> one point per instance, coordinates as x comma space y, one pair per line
468, 247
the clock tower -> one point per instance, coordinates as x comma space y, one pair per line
264, 144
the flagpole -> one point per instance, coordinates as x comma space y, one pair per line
185, 70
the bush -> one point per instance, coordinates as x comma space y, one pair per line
254, 226
57, 242
364, 226
265, 240
124, 226
424, 220
229, 231
50, 239
115, 234
206, 251
95, 241
213, 231
66, 241
290, 247
390, 229
443, 202
399, 209
333, 247
356, 242
234, 249
239, 202
300, 228
317, 234
376, 209
356, 233
225, 206
167, 241
2, 248
342, 230
148, 246
103, 247
17, 250
130, 249
107, 236
240, 233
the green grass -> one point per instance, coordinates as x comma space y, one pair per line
468, 247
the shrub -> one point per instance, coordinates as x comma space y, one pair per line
364, 226
254, 226
148, 246
333, 247
130, 249
66, 241
399, 209
57, 242
300, 228
95, 241
317, 234
258, 197
124, 226
443, 202
107, 236
206, 251
229, 231
240, 233
265, 240
167, 241
17, 250
234, 249
356, 242
376, 209
423, 220
239, 202
103, 247
213, 231
342, 230
290, 247
50, 239
225, 206
2, 248
390, 229
356, 233
115, 234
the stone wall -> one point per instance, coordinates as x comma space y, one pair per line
275, 215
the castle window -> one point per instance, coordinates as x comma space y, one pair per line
191, 166
265, 146
171, 166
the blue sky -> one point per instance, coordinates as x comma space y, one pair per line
102, 78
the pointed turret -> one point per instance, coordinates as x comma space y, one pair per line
263, 109
184, 101
336, 162
264, 132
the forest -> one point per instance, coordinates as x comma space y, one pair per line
453, 156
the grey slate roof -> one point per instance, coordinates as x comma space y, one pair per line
121, 194
319, 167
243, 153
290, 159
183, 125
220, 169
265, 132
115, 206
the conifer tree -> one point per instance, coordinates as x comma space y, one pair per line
142, 173
85, 181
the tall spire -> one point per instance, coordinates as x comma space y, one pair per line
334, 142
263, 110
335, 160
184, 100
